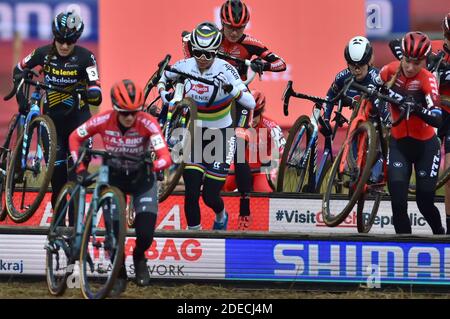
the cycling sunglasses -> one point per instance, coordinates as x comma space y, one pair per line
62, 41
126, 114
207, 54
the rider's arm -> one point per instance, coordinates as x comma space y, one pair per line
334, 89
163, 158
94, 91
32, 60
240, 91
273, 63
170, 76
35, 58
430, 113
94, 125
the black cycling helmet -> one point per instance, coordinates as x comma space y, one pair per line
67, 27
206, 36
358, 51
234, 13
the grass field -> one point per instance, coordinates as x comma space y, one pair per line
171, 290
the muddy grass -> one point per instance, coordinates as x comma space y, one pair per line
160, 290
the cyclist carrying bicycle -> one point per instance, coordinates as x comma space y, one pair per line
213, 116
71, 67
126, 130
235, 15
414, 140
267, 135
359, 55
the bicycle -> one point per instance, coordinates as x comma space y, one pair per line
33, 158
95, 238
366, 139
298, 163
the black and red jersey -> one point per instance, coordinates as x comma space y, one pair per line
245, 48
423, 88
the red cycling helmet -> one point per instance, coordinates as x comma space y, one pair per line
416, 45
260, 100
446, 26
234, 13
127, 96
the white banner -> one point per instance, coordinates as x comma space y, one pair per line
304, 216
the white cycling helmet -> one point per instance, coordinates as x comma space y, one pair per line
206, 36
358, 51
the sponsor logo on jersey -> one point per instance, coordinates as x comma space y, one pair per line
200, 88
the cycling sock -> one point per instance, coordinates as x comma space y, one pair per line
244, 205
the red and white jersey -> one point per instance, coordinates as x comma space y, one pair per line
143, 136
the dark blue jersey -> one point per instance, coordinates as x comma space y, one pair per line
339, 82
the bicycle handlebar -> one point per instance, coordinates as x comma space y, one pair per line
289, 91
38, 85
156, 76
371, 92
227, 88
108, 155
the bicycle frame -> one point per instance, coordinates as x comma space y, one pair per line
316, 172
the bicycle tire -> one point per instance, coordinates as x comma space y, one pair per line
89, 280
325, 173
166, 187
443, 178
17, 214
333, 221
364, 225
303, 122
57, 241
5, 155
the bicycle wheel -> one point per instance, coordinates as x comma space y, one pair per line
294, 166
367, 209
14, 131
346, 173
101, 258
59, 259
30, 167
181, 124
321, 187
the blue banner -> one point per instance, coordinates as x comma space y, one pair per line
338, 261
33, 19
385, 17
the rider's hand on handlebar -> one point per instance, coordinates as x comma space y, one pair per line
165, 96
220, 80
257, 66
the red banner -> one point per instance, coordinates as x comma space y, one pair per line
171, 215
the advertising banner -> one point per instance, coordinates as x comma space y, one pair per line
374, 263
33, 19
